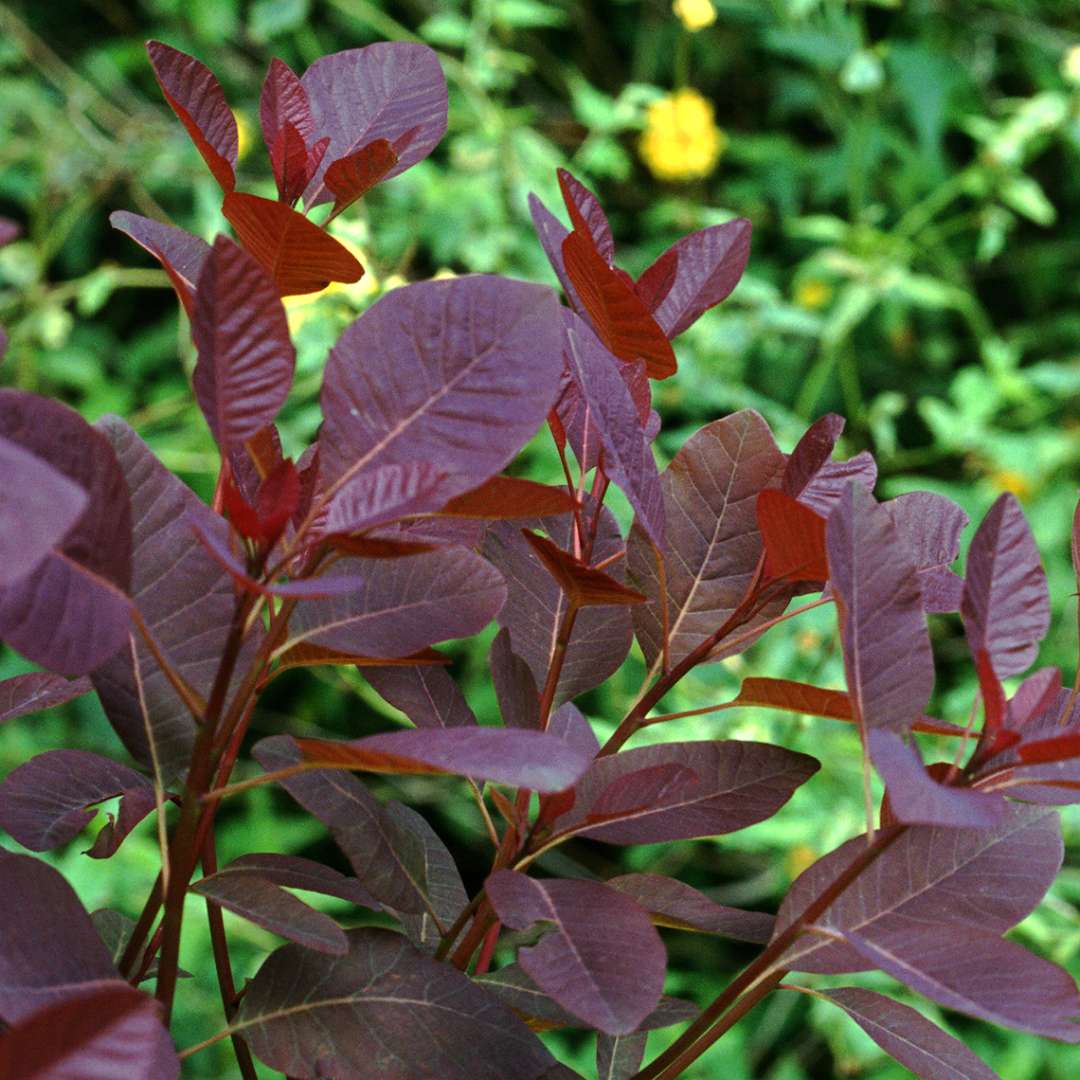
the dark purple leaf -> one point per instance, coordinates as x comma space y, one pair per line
514, 988
71, 612
536, 605
388, 860
917, 798
381, 91
515, 687
643, 790
1034, 696
43, 801
532, 759
1006, 606
383, 494
438, 877
570, 724
185, 598
671, 903
246, 357
627, 454
427, 695
887, 655
268, 905
812, 452
587, 214
38, 507
505, 497
976, 972
9, 231
404, 605
603, 960
931, 525
712, 544
618, 1057
551, 233
383, 1010
49, 949
179, 252
989, 878
30, 693
294, 872
707, 266
110, 1031
196, 97
909, 1037
284, 101
737, 784
459, 372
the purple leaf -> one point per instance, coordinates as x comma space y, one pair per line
403, 605
551, 233
71, 613
427, 695
1037, 694
25, 694
381, 91
110, 1031
917, 798
50, 949
515, 687
438, 877
587, 214
294, 872
976, 972
42, 801
38, 507
179, 252
284, 101
628, 458
268, 905
535, 604
185, 598
909, 1037
989, 878
1006, 607
246, 357
513, 987
9, 231
887, 655
196, 97
604, 960
712, 544
570, 724
736, 785
702, 269
389, 861
532, 759
618, 1057
811, 453
671, 903
383, 1010
459, 372
385, 493
931, 525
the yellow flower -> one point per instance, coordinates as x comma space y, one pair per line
681, 140
1070, 66
1011, 480
243, 135
812, 293
694, 14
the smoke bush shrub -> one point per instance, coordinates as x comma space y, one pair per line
397, 530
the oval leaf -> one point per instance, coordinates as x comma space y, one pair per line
25, 694
180, 253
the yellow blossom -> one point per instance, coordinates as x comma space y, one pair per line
243, 135
694, 14
799, 858
1070, 66
681, 140
812, 293
1012, 480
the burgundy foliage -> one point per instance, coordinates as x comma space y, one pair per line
398, 529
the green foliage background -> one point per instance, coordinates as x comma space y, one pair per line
911, 168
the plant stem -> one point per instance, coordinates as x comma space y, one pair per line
142, 929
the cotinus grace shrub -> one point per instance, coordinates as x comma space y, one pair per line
399, 529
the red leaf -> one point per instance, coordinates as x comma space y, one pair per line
504, 497
307, 655
300, 256
583, 585
278, 498
587, 215
619, 317
794, 538
284, 101
196, 97
1058, 748
351, 177
291, 163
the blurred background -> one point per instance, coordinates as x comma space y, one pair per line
911, 169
